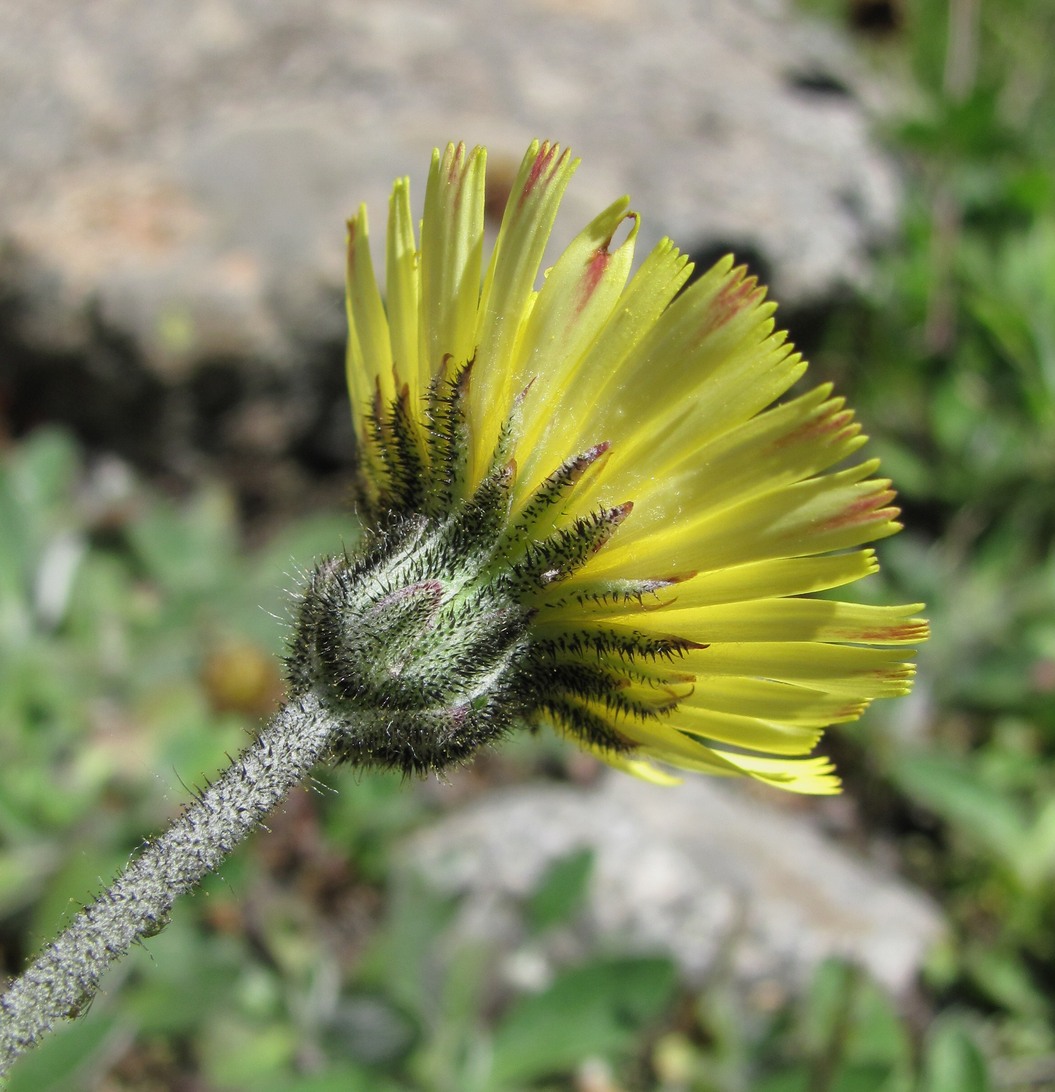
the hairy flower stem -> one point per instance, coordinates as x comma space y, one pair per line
66, 975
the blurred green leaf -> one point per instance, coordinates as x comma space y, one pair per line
597, 1009
236, 1052
69, 1058
952, 789
186, 548
398, 962
171, 974
998, 973
339, 1078
952, 1061
368, 1028
561, 890
1036, 858
848, 1078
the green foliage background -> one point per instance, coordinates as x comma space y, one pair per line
138, 638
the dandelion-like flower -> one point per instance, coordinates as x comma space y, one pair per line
585, 505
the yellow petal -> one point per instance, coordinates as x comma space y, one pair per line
452, 234
730, 365
660, 740
401, 289
580, 394
641, 768
509, 290
755, 580
744, 731
779, 447
573, 307
768, 700
852, 671
832, 512
369, 357
814, 776
786, 619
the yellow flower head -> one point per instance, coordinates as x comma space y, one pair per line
587, 506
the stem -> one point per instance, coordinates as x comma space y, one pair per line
66, 975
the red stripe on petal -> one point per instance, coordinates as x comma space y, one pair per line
821, 429
866, 510
457, 162
906, 632
737, 294
541, 165
595, 268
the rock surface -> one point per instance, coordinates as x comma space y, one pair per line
720, 879
176, 176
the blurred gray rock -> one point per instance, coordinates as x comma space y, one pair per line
176, 176
718, 878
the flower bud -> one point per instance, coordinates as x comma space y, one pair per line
414, 650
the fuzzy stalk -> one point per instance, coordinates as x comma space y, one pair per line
66, 974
